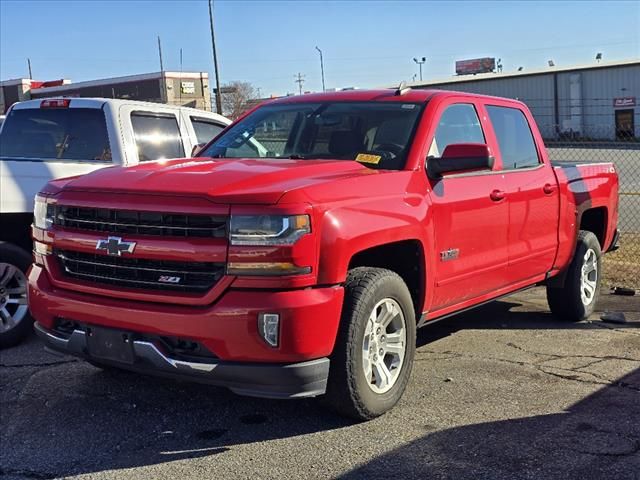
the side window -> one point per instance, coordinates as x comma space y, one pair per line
156, 136
515, 140
205, 129
459, 123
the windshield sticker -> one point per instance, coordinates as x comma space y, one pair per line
368, 158
408, 106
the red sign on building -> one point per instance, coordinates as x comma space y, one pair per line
624, 102
476, 65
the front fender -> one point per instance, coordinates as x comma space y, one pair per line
348, 230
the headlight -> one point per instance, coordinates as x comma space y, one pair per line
258, 230
42, 213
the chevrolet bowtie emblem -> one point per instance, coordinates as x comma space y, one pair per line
115, 246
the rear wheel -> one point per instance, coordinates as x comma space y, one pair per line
576, 300
15, 321
373, 356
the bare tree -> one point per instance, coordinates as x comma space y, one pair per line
236, 97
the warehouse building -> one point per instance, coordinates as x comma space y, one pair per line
595, 102
189, 89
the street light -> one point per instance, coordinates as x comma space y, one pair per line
321, 67
420, 62
598, 57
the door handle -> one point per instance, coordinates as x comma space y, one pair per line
497, 195
548, 189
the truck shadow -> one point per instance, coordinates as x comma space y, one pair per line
596, 438
66, 417
499, 315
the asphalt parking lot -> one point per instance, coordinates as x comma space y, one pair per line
504, 391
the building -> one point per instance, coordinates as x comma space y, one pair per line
190, 89
19, 89
598, 101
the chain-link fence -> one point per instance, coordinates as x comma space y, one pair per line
597, 130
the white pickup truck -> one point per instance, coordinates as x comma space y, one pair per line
62, 137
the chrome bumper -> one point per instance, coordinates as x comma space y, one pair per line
305, 379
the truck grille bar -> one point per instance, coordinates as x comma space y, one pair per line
140, 223
143, 273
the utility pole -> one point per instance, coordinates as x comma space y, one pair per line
160, 53
321, 67
420, 62
29, 63
215, 61
299, 79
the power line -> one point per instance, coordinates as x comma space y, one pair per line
299, 79
215, 62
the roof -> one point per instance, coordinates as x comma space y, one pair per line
98, 102
524, 73
381, 95
388, 94
125, 79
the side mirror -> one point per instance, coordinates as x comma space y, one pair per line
196, 149
460, 157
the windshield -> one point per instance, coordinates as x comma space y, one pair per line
374, 133
57, 133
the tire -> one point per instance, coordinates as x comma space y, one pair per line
349, 390
576, 300
15, 321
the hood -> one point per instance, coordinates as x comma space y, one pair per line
249, 181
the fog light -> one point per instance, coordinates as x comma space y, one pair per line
42, 248
269, 328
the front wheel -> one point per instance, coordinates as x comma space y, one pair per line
576, 300
15, 321
373, 356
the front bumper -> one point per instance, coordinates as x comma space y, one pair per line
240, 359
304, 379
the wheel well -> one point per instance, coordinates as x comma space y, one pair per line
594, 220
406, 258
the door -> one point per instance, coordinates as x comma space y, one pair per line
532, 191
470, 216
41, 144
624, 124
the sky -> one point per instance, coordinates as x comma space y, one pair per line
365, 43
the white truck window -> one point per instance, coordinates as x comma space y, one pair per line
156, 136
55, 133
205, 129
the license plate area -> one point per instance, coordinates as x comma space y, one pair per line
109, 344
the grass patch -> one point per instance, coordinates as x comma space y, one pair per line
622, 267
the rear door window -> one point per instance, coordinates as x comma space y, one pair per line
78, 134
517, 147
206, 130
156, 136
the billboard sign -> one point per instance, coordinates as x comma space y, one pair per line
624, 102
475, 65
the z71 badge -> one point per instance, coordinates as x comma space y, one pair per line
168, 279
450, 254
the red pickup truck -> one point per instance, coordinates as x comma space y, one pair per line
297, 255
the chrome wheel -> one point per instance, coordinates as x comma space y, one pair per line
13, 296
384, 345
589, 277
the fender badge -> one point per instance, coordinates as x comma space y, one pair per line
450, 254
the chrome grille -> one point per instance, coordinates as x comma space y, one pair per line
140, 272
140, 223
